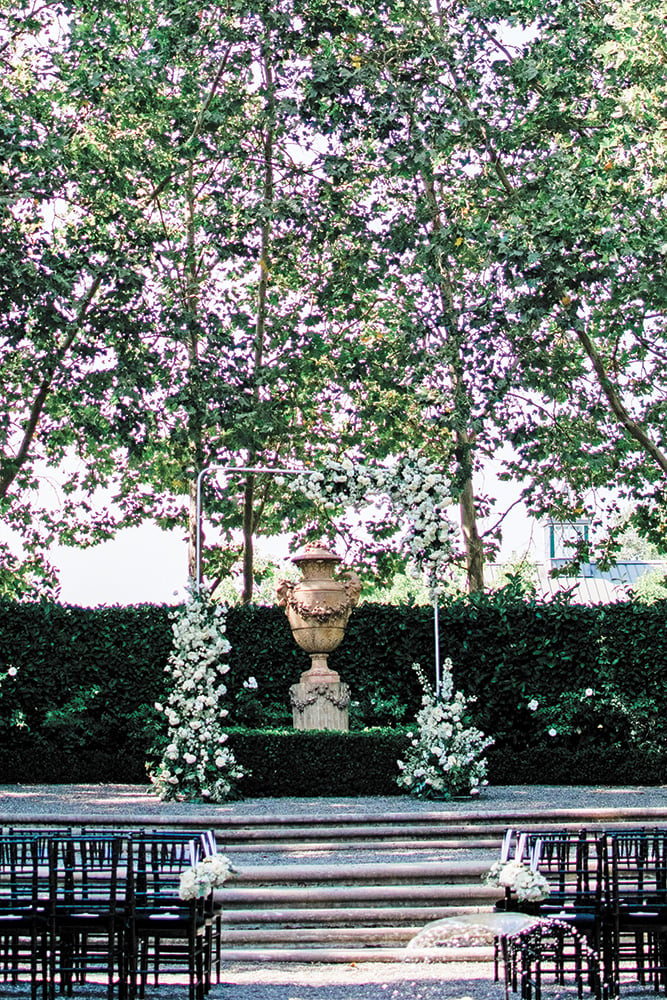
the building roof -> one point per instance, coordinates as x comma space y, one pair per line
591, 586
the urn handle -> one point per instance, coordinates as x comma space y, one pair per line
284, 593
352, 589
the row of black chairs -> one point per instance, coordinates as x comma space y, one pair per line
104, 903
605, 917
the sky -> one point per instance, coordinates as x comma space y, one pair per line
140, 566
145, 565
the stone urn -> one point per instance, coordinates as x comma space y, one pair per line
318, 609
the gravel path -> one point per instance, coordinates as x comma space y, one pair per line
125, 800
369, 981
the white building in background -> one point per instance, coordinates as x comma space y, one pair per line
591, 585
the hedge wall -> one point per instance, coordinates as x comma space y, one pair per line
93, 672
81, 700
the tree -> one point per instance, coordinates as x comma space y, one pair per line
400, 111
184, 215
69, 290
584, 263
261, 232
519, 219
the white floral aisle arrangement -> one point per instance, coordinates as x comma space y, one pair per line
196, 764
446, 756
527, 884
199, 881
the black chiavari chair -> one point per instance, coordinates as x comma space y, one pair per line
170, 934
23, 920
636, 926
91, 886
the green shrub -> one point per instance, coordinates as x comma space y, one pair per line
296, 763
561, 765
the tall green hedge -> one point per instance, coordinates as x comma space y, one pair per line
505, 651
99, 667
87, 679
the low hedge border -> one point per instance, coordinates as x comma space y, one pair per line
313, 763
590, 765
297, 764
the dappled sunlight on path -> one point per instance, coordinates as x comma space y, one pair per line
20, 800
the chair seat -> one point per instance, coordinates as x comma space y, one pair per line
579, 919
168, 917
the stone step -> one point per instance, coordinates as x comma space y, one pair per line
351, 956
232, 830
430, 872
360, 830
340, 936
310, 910
489, 843
396, 832
456, 819
344, 917
350, 895
320, 912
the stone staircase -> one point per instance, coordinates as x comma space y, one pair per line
339, 884
360, 888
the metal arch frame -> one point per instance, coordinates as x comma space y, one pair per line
230, 469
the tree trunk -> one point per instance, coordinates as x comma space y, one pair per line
11, 466
195, 429
474, 546
249, 520
194, 571
473, 541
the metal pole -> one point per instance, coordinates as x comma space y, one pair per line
228, 470
436, 627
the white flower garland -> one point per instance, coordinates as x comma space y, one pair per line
446, 757
412, 490
196, 765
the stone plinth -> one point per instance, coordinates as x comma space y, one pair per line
320, 705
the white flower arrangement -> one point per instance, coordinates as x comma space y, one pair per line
199, 881
527, 884
447, 756
412, 491
196, 765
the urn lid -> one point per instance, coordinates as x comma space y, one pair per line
313, 553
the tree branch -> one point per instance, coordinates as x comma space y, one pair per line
633, 428
12, 466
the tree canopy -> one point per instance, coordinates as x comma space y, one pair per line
257, 234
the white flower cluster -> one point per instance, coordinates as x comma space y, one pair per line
11, 673
413, 489
201, 879
196, 765
527, 884
446, 757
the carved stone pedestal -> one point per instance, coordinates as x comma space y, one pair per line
320, 705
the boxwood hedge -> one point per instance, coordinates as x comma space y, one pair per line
78, 703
